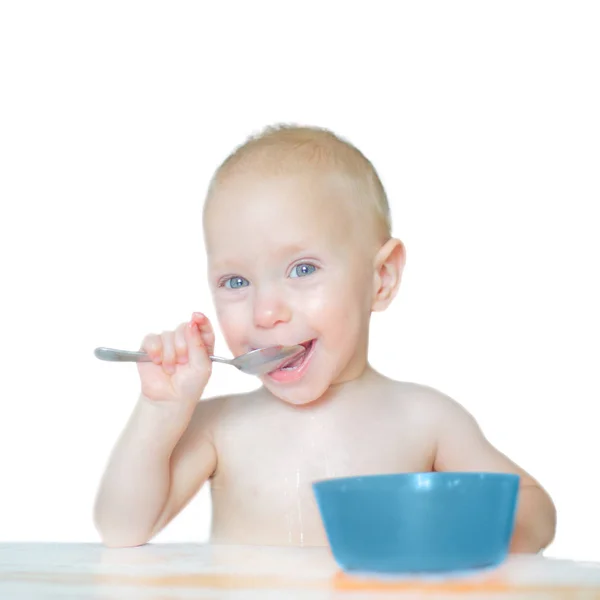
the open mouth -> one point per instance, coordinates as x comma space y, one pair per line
298, 361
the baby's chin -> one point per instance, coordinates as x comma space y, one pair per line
295, 395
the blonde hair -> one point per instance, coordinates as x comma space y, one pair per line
282, 147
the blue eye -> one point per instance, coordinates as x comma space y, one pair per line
235, 283
303, 270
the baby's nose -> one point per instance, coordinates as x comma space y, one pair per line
270, 309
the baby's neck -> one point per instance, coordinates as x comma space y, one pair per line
367, 377
354, 389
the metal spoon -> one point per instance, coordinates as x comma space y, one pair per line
255, 362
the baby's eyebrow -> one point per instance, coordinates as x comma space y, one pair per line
225, 266
291, 249
276, 253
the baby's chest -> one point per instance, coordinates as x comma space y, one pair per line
265, 457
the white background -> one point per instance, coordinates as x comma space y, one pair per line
483, 120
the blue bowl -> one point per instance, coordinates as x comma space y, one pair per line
418, 522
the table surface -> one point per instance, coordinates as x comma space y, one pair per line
173, 571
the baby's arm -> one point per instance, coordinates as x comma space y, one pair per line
461, 446
159, 463
165, 453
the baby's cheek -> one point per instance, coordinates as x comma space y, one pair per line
343, 322
232, 323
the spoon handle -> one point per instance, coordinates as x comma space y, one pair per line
134, 356
218, 359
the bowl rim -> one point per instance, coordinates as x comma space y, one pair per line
422, 474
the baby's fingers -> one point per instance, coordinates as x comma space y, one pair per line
168, 352
206, 331
198, 333
181, 344
152, 346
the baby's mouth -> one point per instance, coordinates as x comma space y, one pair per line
295, 362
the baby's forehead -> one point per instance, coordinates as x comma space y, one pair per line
275, 225
287, 200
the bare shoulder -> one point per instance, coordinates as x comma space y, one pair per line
210, 413
426, 402
451, 428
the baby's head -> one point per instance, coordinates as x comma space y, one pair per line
299, 247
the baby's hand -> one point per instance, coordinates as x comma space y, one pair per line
180, 367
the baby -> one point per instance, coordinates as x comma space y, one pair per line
300, 251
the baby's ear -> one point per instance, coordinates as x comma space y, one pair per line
389, 264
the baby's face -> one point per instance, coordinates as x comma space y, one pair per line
286, 266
